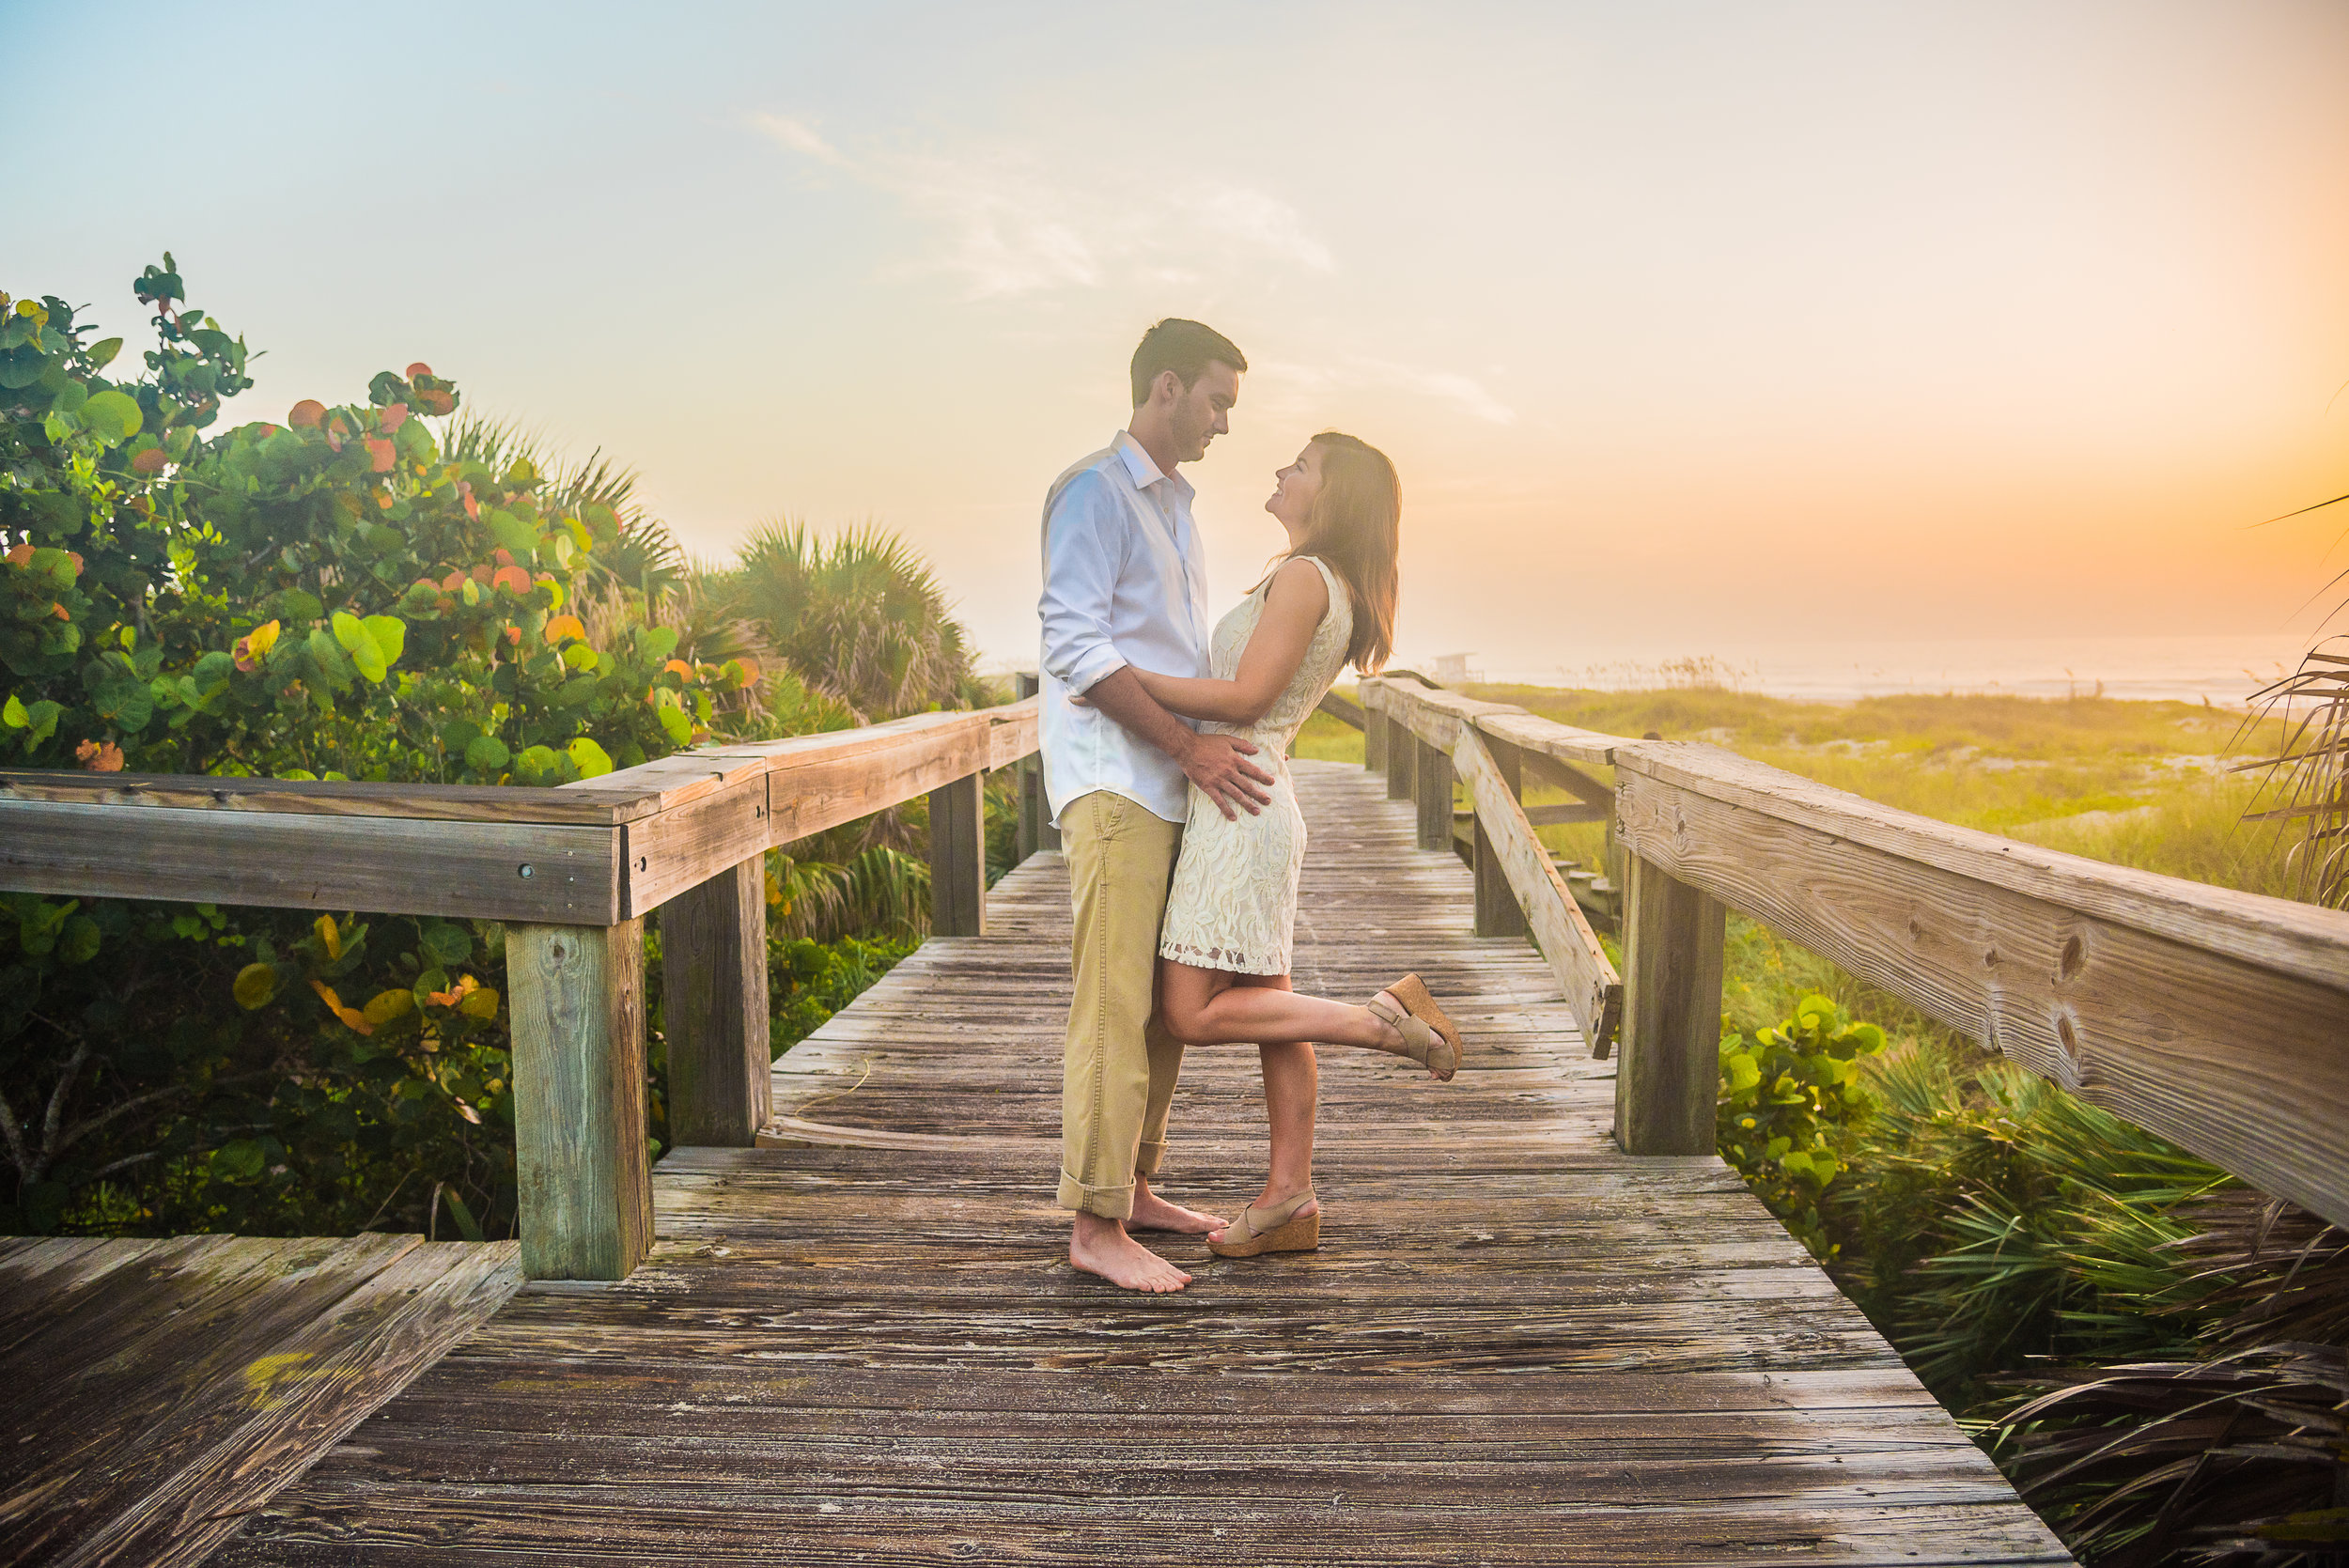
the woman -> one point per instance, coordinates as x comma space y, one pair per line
1224, 949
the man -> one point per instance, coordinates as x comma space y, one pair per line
1125, 584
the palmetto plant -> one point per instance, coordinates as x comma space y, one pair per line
859, 618
2306, 793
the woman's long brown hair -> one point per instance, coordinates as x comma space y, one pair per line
1356, 525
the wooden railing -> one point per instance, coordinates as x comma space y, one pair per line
573, 872
2218, 1020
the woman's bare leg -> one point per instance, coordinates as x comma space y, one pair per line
1213, 1007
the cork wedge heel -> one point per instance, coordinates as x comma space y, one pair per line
1278, 1229
1430, 1037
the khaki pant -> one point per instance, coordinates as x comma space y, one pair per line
1119, 1071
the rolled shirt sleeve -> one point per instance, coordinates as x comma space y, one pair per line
1083, 548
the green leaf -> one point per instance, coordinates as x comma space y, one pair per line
256, 984
486, 754
446, 942
365, 656
518, 536
102, 355
80, 943
590, 757
390, 633
658, 643
240, 1162
13, 715
679, 728
112, 416
466, 1225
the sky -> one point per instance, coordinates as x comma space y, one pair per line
1692, 328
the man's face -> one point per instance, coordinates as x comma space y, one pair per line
1203, 411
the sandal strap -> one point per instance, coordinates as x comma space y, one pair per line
1254, 1230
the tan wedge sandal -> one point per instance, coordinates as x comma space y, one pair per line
1278, 1229
1430, 1037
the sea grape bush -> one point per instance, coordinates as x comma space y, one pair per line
324, 596
1791, 1097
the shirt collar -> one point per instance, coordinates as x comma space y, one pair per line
1146, 473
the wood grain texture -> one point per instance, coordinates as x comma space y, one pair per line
1431, 790
2246, 1066
1531, 883
958, 858
1343, 708
588, 805
1669, 1080
575, 996
1374, 730
382, 864
685, 845
2300, 941
244, 1360
714, 955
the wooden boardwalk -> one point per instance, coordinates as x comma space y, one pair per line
1518, 1345
156, 1392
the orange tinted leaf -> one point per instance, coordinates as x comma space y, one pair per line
566, 626
419, 368
331, 935
152, 460
21, 555
306, 415
380, 451
679, 668
98, 756
394, 415
511, 577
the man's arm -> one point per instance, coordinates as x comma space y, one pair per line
1218, 763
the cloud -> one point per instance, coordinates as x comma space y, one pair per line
1297, 388
1005, 224
797, 136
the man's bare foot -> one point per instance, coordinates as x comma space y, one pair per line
1270, 1197
1101, 1247
1153, 1213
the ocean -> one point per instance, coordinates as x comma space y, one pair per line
2223, 671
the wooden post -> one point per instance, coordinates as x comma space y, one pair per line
1667, 1081
576, 995
1036, 832
1375, 743
1401, 753
1497, 911
1431, 782
713, 957
958, 858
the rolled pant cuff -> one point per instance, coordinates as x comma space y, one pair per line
1146, 1157
1110, 1203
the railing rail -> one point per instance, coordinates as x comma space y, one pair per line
2218, 1020
573, 871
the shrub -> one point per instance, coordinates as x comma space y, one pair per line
1791, 1102
330, 596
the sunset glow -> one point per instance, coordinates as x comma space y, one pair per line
1690, 328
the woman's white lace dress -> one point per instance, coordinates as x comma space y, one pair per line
1233, 902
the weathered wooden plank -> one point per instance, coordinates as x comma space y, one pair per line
1547, 738
1431, 788
1374, 728
958, 858
392, 865
2301, 940
687, 845
1013, 733
199, 1481
1497, 913
575, 996
2245, 1066
587, 804
1669, 1078
1343, 708
714, 955
1593, 988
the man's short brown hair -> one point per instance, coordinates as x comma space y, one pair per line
1186, 348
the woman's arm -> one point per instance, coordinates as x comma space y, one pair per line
1294, 606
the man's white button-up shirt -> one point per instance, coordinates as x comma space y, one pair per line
1125, 583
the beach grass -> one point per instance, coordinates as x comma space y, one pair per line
2139, 784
